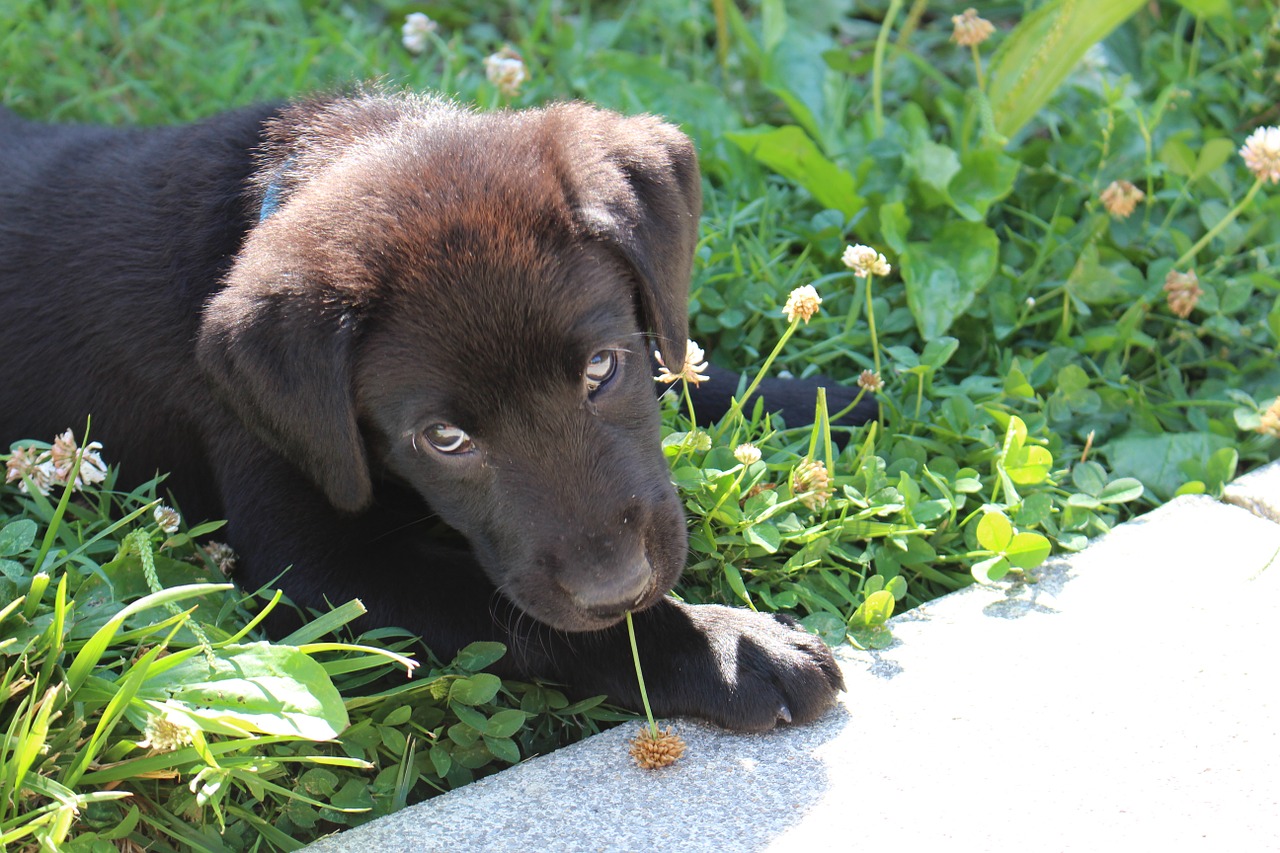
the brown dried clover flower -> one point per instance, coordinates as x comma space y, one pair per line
222, 556
652, 752
971, 29
1270, 424
1183, 291
869, 380
1120, 198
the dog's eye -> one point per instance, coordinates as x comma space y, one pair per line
600, 370
448, 439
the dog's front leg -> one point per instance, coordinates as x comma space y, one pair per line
739, 669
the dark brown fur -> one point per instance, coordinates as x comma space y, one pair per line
419, 264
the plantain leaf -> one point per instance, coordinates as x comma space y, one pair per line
1042, 50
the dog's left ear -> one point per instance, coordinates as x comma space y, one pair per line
636, 185
276, 342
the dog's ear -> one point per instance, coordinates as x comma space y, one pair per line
277, 344
637, 186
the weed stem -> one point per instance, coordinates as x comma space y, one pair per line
1222, 224
644, 695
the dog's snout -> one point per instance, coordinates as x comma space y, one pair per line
622, 589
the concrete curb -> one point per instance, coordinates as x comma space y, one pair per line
1127, 700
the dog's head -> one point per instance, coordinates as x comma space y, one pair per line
462, 302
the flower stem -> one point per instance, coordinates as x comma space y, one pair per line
644, 695
877, 65
1222, 224
736, 408
849, 408
977, 65
871, 322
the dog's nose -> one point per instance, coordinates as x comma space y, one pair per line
622, 589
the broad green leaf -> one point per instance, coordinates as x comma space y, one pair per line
1178, 156
790, 152
764, 535
994, 531
1213, 154
477, 656
895, 225
876, 610
1220, 467
986, 176
1030, 465
504, 749
939, 351
253, 688
440, 759
1028, 550
399, 716
1156, 459
990, 569
470, 716
1083, 501
1120, 491
828, 626
1038, 54
942, 276
17, 536
1089, 477
475, 689
934, 165
871, 637
505, 723
795, 71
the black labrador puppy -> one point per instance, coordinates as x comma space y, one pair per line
333, 320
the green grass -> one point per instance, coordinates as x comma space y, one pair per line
1038, 386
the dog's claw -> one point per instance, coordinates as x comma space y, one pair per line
784, 714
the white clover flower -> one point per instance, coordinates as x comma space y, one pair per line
811, 483
28, 465
802, 304
92, 469
167, 518
413, 34
163, 733
865, 261
747, 454
695, 364
505, 69
1261, 153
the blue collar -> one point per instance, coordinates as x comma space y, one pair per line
271, 198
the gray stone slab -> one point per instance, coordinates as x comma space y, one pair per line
1258, 491
1127, 700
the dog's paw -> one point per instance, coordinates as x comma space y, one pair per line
750, 672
